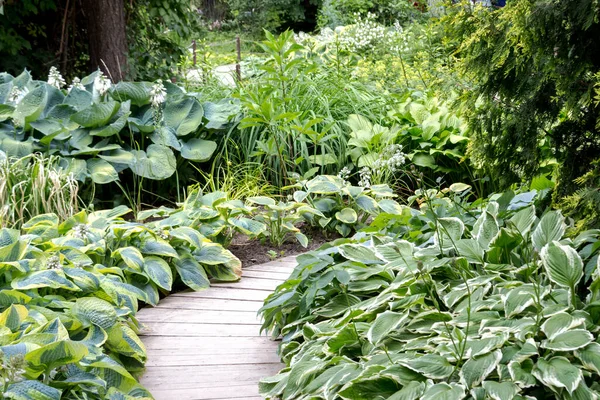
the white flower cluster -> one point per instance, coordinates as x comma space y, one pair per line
16, 94
163, 234
391, 158
76, 84
158, 94
398, 39
102, 84
53, 263
12, 368
81, 231
55, 78
365, 177
345, 174
364, 35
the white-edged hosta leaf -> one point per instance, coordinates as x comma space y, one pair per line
476, 369
558, 372
411, 391
524, 220
550, 228
444, 391
347, 216
191, 272
31, 390
449, 231
159, 272
359, 253
485, 229
559, 323
562, 264
517, 300
500, 390
568, 341
590, 357
432, 366
520, 373
384, 325
471, 250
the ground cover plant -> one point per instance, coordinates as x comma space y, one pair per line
453, 301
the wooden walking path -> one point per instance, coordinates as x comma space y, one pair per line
207, 345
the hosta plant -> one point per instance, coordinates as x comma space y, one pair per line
456, 301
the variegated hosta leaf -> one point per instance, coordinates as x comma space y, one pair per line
55, 354
94, 311
159, 272
449, 231
550, 228
32, 390
562, 264
384, 324
444, 391
476, 369
558, 372
432, 366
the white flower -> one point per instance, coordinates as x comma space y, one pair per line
76, 84
55, 78
158, 94
16, 94
365, 177
81, 231
344, 173
53, 263
102, 83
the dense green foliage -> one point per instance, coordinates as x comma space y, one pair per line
454, 301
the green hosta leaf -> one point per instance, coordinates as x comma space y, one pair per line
248, 226
101, 171
459, 187
43, 279
412, 391
385, 323
337, 305
559, 323
347, 216
56, 354
301, 238
562, 264
390, 207
132, 257
323, 159
476, 369
13, 317
191, 272
78, 99
558, 372
590, 357
568, 341
159, 272
524, 220
262, 200
6, 112
157, 162
449, 231
32, 390
444, 391
123, 340
359, 253
137, 92
32, 105
199, 150
184, 115
158, 247
432, 366
94, 311
98, 114
500, 390
551, 227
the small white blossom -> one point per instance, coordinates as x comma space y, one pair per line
365, 177
81, 231
158, 94
76, 84
55, 78
102, 84
16, 94
53, 263
345, 174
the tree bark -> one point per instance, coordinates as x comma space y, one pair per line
107, 37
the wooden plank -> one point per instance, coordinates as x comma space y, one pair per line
250, 283
183, 303
199, 330
200, 316
217, 393
226, 294
259, 356
181, 376
208, 343
271, 275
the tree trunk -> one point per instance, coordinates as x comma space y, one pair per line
107, 36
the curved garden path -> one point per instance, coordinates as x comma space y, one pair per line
207, 345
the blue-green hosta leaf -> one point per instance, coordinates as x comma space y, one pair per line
13, 317
10, 297
137, 92
32, 390
183, 114
449, 231
95, 337
78, 99
157, 162
115, 124
84, 378
56, 354
159, 272
391, 207
158, 247
359, 253
590, 357
558, 372
123, 340
385, 323
347, 216
568, 341
132, 257
476, 369
44, 279
191, 272
500, 390
432, 366
444, 391
551, 227
367, 204
248, 226
94, 311
85, 280
199, 150
32, 105
559, 323
6, 112
562, 264
325, 184
485, 229
98, 114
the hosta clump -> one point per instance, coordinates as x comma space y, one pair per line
456, 301
69, 292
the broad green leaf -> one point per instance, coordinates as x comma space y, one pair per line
94, 311
56, 354
562, 264
183, 114
101, 171
157, 247
97, 114
199, 150
32, 105
558, 372
444, 391
550, 228
157, 162
432, 366
568, 341
385, 323
159, 272
191, 272
137, 92
359, 253
347, 216
31, 390
500, 390
476, 369
411, 391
